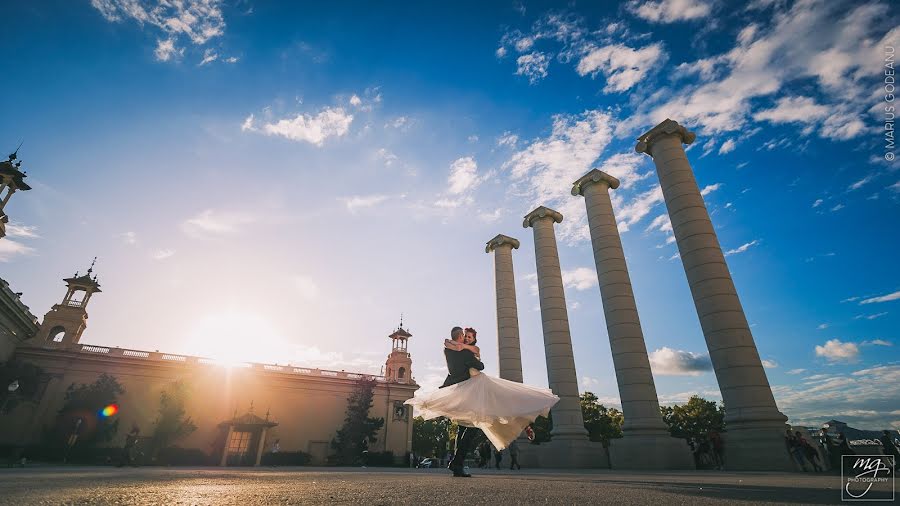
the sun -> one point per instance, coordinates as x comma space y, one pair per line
235, 337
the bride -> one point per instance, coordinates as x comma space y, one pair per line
500, 408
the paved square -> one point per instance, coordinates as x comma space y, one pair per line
306, 485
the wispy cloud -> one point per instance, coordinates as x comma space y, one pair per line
25, 231
742, 248
213, 222
881, 298
357, 202
669, 11
10, 248
163, 254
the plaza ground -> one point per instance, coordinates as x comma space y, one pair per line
309, 485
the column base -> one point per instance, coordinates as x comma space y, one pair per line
650, 452
756, 449
563, 454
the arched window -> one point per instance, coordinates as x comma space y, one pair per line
401, 372
56, 334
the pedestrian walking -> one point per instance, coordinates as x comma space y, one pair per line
514, 455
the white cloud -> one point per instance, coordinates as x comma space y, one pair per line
869, 316
463, 176
727, 147
836, 351
197, 21
402, 123
491, 216
895, 187
129, 238
769, 364
545, 169
248, 124
817, 203
670, 11
510, 139
330, 122
355, 101
209, 56
231, 59
859, 184
877, 342
742, 248
793, 110
710, 188
822, 326
580, 278
837, 207
882, 298
211, 222
622, 66
16, 230
163, 254
357, 202
10, 248
386, 156
796, 371
668, 362
306, 287
588, 383
501, 52
532, 65
165, 50
661, 223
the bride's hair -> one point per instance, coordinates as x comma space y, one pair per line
474, 334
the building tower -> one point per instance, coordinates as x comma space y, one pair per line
11, 181
398, 367
64, 324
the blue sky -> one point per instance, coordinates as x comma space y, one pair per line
277, 183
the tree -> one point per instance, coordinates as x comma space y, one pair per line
602, 423
171, 424
431, 437
28, 377
86, 402
695, 418
359, 428
542, 426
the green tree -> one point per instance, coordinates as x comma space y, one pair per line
85, 402
359, 428
172, 424
602, 423
28, 377
431, 437
695, 418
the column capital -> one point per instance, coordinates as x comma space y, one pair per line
666, 128
594, 176
500, 240
542, 212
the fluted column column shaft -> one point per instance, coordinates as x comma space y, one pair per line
742, 380
568, 422
509, 351
637, 391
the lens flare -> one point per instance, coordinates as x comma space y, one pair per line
110, 410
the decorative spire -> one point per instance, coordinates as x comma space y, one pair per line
15, 153
267, 414
251, 407
401, 320
91, 268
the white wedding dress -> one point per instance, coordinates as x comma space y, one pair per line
500, 408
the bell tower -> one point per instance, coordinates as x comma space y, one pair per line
11, 181
64, 324
398, 367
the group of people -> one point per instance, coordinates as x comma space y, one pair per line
708, 451
499, 408
486, 450
833, 448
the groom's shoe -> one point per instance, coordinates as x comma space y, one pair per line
459, 472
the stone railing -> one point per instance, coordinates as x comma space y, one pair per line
187, 359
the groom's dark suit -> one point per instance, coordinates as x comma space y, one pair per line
458, 364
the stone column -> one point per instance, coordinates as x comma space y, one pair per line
507, 312
568, 422
754, 440
647, 443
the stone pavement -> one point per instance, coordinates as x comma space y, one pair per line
310, 485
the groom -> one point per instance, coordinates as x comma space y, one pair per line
458, 364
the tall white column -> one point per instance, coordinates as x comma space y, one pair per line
755, 427
568, 422
647, 443
509, 350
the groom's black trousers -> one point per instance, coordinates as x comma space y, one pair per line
464, 436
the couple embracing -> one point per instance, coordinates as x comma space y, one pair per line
501, 409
